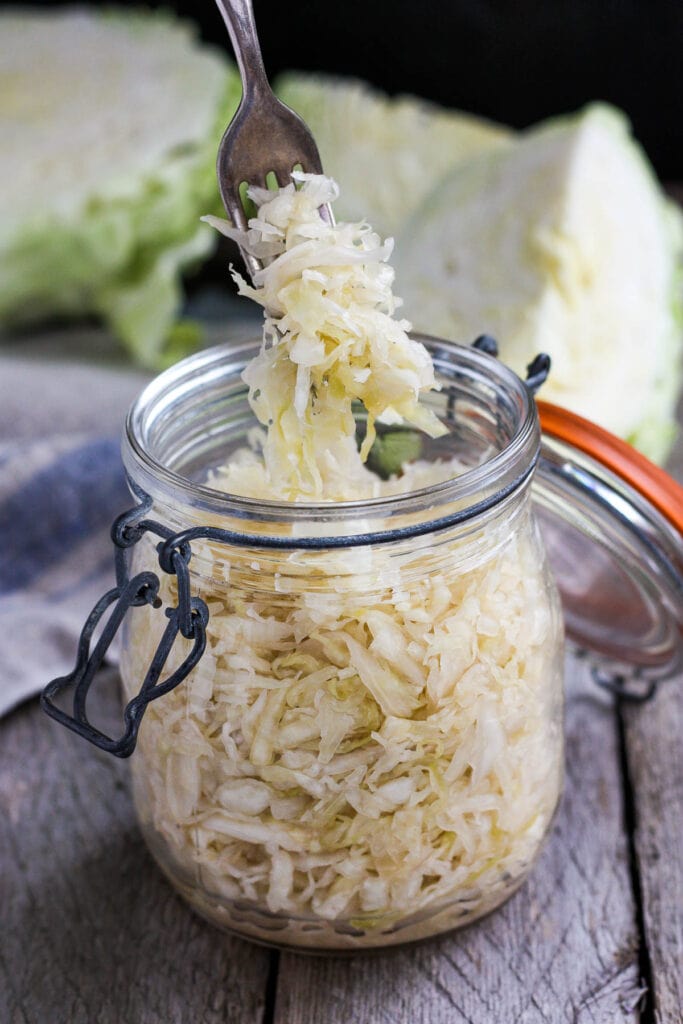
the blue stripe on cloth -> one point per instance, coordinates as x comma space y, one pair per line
77, 494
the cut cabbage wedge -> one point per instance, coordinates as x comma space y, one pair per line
386, 154
562, 243
110, 125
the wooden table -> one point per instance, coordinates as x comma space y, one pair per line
92, 934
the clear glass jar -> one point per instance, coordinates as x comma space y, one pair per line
369, 751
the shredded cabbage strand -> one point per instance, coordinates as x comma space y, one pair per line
385, 746
331, 338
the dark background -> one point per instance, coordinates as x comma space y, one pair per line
515, 62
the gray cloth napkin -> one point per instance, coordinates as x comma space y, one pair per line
63, 401
58, 499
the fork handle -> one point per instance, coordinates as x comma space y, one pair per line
238, 16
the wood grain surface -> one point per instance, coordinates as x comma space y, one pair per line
91, 933
653, 740
655, 765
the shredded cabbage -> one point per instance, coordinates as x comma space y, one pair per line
370, 749
330, 338
379, 751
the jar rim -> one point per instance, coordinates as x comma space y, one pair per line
473, 491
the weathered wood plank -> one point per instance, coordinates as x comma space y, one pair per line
655, 761
90, 931
655, 758
565, 948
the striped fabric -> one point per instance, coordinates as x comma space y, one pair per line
57, 501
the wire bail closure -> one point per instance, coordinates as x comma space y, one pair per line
189, 618
537, 371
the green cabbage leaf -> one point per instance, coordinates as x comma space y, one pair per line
385, 153
107, 164
564, 243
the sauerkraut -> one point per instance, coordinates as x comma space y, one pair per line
330, 339
369, 752
370, 749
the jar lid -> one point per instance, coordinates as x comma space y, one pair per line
612, 523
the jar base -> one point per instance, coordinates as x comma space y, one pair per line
321, 937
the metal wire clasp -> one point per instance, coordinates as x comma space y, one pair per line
189, 618
537, 370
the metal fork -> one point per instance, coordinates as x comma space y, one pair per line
264, 136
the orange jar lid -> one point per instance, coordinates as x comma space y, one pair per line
612, 523
664, 493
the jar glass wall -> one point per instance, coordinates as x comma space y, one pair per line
370, 749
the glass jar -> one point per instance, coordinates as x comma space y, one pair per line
369, 750
352, 735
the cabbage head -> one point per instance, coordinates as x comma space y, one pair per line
562, 242
110, 125
385, 153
